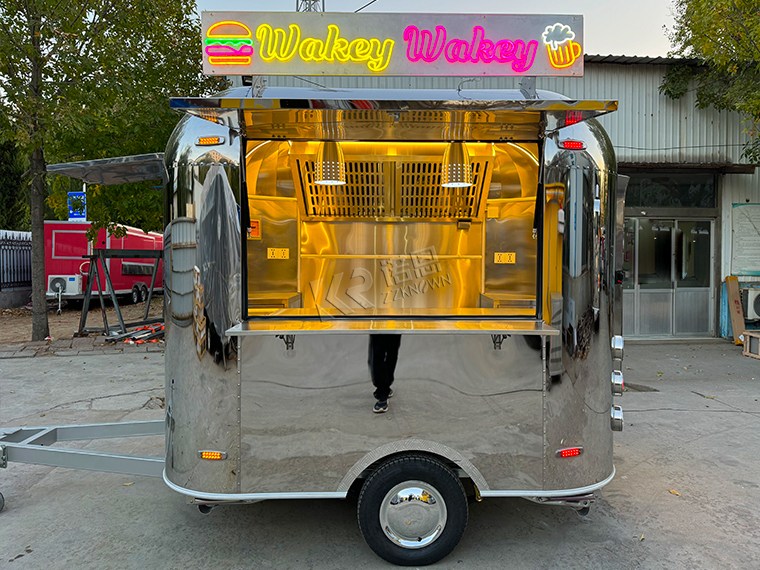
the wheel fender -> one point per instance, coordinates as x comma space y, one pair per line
409, 445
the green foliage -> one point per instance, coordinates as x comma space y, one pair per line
14, 195
88, 80
724, 37
677, 79
139, 205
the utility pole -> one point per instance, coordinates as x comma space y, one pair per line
310, 5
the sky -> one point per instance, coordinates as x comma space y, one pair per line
612, 27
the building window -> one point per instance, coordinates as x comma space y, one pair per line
671, 190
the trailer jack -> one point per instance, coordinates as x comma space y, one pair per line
581, 503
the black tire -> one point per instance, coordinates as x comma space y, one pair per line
135, 298
413, 470
143, 293
2, 502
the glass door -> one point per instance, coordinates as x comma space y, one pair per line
693, 279
668, 288
654, 279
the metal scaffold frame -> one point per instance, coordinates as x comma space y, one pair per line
93, 278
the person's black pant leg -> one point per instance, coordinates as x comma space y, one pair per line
383, 356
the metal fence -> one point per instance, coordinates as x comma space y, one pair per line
15, 259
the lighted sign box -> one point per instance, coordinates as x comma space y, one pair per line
287, 43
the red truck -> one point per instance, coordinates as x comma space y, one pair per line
66, 270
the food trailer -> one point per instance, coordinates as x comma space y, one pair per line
458, 250
66, 269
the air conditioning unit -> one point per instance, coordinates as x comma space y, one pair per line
752, 308
67, 284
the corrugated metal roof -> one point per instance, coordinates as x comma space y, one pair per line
649, 126
639, 60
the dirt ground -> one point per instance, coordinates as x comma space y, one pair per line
16, 324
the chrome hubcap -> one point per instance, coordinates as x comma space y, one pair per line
413, 514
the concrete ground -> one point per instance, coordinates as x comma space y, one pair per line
686, 494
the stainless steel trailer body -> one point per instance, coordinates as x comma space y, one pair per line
324, 250
500, 294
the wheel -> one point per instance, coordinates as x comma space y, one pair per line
143, 293
412, 511
2, 502
583, 512
135, 295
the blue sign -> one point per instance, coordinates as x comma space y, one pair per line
77, 199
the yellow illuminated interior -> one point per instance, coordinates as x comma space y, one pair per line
392, 241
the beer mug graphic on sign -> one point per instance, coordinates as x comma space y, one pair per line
563, 51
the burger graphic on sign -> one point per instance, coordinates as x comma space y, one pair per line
229, 43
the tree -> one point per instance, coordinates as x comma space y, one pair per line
723, 37
14, 210
87, 78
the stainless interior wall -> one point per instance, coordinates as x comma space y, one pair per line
365, 254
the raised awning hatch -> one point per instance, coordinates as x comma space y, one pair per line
393, 114
119, 170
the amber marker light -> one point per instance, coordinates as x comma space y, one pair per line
208, 141
569, 452
209, 114
213, 455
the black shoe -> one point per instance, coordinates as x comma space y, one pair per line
390, 394
380, 407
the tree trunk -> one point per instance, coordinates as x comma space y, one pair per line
40, 328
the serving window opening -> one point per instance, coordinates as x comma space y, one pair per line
392, 240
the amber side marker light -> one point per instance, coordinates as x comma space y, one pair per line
569, 452
572, 145
216, 455
209, 141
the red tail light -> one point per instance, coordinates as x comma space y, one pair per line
573, 117
569, 452
572, 145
